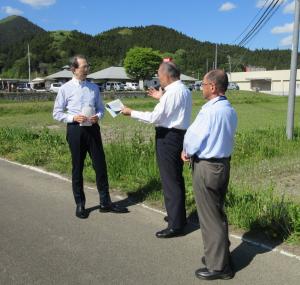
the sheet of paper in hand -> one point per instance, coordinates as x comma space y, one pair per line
114, 107
87, 111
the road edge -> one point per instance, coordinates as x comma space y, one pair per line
232, 235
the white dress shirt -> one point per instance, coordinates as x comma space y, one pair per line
173, 110
73, 96
211, 135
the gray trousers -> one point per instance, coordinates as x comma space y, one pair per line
210, 183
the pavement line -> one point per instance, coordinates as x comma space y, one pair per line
60, 177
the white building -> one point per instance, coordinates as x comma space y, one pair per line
274, 82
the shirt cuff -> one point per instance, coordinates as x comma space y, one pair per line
135, 114
70, 118
100, 115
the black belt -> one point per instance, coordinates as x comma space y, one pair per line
76, 123
197, 159
164, 130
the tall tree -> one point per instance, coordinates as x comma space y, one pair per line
142, 63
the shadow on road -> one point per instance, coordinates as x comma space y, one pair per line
152, 188
244, 254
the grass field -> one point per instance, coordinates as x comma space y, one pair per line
264, 190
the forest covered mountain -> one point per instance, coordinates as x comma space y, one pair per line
52, 50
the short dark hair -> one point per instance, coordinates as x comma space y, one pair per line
172, 69
74, 61
219, 78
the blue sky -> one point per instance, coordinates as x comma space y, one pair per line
216, 20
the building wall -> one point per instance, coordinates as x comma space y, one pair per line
279, 80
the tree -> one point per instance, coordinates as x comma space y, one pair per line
142, 63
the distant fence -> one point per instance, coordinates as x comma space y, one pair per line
48, 96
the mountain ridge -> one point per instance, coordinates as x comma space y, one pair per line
51, 49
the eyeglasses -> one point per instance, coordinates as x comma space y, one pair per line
87, 66
207, 84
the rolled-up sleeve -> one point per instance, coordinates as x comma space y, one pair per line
154, 117
59, 108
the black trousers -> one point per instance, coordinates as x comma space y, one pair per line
169, 144
83, 140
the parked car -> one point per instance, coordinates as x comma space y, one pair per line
54, 87
190, 87
101, 86
233, 86
197, 86
131, 86
116, 86
23, 87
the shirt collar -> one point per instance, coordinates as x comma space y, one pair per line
78, 82
172, 84
212, 101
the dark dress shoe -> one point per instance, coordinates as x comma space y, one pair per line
81, 213
204, 273
230, 262
169, 233
112, 208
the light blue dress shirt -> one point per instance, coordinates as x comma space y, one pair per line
211, 135
73, 96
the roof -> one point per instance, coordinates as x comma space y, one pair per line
184, 77
259, 78
60, 74
38, 79
113, 72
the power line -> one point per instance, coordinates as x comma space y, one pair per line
261, 20
267, 20
243, 32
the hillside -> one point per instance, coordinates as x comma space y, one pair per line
51, 50
14, 29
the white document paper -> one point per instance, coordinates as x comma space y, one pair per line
87, 111
114, 108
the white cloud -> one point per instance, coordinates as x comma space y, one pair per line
286, 28
11, 11
287, 41
227, 6
261, 3
38, 3
289, 8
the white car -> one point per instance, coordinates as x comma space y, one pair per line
54, 87
233, 86
116, 86
131, 86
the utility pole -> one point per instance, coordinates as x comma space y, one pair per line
293, 74
29, 70
216, 57
206, 65
229, 62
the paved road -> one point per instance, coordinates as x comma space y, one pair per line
41, 242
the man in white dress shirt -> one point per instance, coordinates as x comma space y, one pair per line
83, 133
209, 142
171, 117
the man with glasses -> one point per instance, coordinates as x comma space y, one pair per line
171, 117
209, 143
79, 105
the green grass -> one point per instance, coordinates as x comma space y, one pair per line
263, 157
